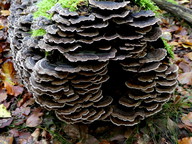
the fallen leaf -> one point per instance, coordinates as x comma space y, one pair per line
72, 131
188, 42
13, 90
104, 142
24, 135
184, 1
36, 134
181, 125
17, 90
35, 118
186, 140
7, 76
187, 46
2, 27
187, 119
6, 140
189, 55
14, 132
185, 67
171, 125
7, 104
26, 100
173, 43
8, 71
5, 122
9, 87
4, 113
167, 36
185, 78
3, 95
90, 140
25, 138
44, 134
5, 12
21, 112
27, 141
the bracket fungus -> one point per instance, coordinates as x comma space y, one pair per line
104, 61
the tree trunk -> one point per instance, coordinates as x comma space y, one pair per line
177, 10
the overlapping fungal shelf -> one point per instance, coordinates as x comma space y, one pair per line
107, 63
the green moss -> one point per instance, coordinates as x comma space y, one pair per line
46, 5
47, 53
43, 7
147, 5
39, 32
72, 4
169, 48
172, 1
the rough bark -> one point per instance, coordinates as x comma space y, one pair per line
178, 10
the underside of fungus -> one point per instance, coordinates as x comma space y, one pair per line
104, 63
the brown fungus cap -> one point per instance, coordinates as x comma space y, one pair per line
108, 5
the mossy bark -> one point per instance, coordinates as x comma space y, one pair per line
175, 9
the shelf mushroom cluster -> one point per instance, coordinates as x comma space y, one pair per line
106, 63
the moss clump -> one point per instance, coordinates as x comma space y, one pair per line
43, 7
46, 5
169, 48
147, 5
39, 32
72, 4
47, 53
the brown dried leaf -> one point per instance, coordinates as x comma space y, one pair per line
14, 132
36, 134
188, 42
26, 100
3, 95
187, 119
24, 135
21, 112
187, 46
35, 118
189, 55
6, 140
104, 142
185, 127
185, 67
7, 76
5, 12
25, 138
2, 27
8, 72
3, 45
186, 140
5, 122
13, 90
185, 78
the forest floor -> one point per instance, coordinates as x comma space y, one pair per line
22, 121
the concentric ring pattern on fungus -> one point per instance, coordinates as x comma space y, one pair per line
108, 63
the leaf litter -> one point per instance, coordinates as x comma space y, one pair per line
24, 122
